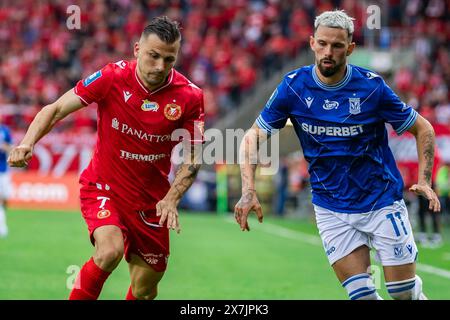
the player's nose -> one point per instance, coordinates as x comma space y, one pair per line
328, 52
159, 65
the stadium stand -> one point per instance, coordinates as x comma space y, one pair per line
227, 47
232, 49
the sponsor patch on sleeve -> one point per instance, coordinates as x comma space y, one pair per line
92, 78
272, 97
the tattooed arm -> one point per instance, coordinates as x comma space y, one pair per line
424, 133
185, 176
248, 155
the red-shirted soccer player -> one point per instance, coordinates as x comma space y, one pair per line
126, 199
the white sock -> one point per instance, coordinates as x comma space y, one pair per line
409, 289
361, 287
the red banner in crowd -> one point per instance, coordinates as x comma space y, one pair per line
31, 190
60, 153
51, 180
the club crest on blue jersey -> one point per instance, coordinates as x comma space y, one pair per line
92, 78
149, 105
355, 105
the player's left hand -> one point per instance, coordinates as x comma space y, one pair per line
167, 210
427, 192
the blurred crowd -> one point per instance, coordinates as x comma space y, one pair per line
227, 47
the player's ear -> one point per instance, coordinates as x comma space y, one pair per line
351, 47
136, 49
311, 42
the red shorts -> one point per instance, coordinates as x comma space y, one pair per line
142, 234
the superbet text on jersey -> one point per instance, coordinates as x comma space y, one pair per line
133, 149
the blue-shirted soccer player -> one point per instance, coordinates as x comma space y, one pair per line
339, 112
5, 180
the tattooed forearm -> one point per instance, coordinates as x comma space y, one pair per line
184, 178
249, 156
426, 144
248, 166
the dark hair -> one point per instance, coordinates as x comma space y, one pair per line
166, 29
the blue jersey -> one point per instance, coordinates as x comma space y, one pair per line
342, 131
5, 138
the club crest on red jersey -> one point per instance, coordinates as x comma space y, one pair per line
149, 105
103, 214
172, 111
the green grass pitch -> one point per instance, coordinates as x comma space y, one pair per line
210, 259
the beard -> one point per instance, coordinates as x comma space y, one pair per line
155, 78
329, 71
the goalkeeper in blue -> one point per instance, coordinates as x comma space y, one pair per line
339, 112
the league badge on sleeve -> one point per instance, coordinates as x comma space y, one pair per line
172, 111
272, 97
92, 78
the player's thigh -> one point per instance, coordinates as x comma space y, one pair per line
109, 236
357, 262
102, 216
393, 240
345, 246
144, 279
109, 246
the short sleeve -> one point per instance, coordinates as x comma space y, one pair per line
275, 112
95, 87
395, 112
194, 120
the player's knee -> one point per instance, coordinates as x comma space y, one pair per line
409, 289
361, 287
109, 258
145, 293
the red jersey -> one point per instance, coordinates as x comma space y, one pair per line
134, 128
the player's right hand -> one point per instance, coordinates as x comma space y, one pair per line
20, 155
248, 203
